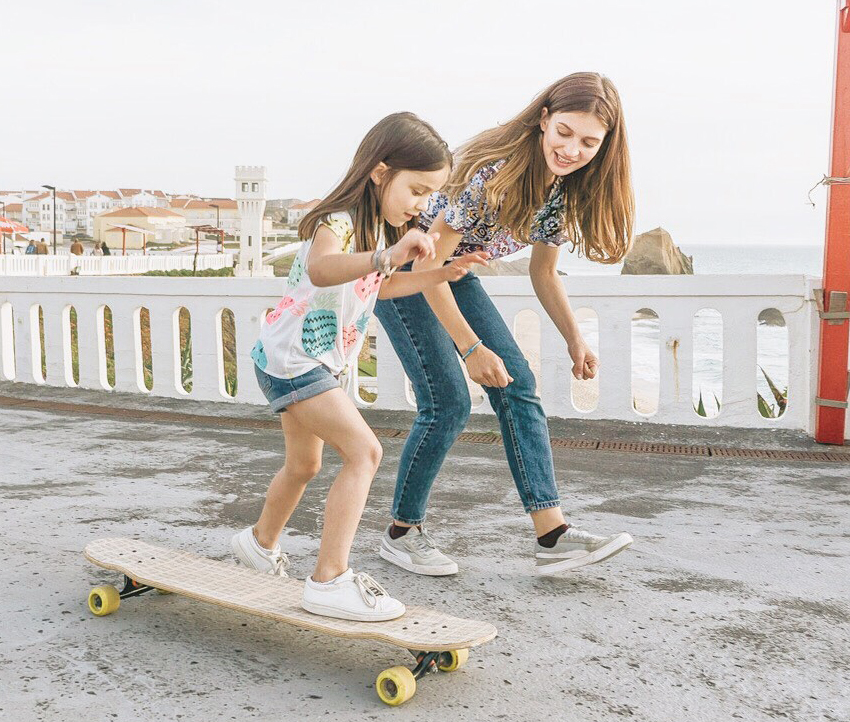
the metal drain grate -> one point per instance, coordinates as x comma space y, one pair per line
388, 433
471, 437
778, 454
574, 443
643, 447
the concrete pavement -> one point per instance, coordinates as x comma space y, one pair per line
732, 604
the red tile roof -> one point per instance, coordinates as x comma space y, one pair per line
143, 211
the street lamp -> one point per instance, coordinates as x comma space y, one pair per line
53, 188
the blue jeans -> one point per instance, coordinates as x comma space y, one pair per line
430, 359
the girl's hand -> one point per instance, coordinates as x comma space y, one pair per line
487, 369
414, 245
585, 363
459, 267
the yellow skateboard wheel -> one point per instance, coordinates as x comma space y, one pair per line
459, 658
395, 685
104, 600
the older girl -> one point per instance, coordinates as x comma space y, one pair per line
558, 173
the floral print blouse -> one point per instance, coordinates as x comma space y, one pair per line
478, 221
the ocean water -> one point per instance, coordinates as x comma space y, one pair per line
723, 258
708, 325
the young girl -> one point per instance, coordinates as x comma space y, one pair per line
556, 173
354, 240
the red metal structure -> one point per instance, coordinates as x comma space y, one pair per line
832, 300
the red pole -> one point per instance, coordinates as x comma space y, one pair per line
123, 241
832, 364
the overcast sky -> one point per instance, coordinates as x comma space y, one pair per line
727, 103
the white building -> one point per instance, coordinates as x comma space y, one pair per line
297, 211
38, 211
140, 198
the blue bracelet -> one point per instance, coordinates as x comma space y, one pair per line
471, 349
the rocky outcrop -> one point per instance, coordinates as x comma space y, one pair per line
654, 252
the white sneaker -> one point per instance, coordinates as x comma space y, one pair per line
416, 552
351, 596
575, 548
248, 551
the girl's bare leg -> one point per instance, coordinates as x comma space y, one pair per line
303, 461
332, 417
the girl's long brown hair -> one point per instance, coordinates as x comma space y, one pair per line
599, 201
403, 142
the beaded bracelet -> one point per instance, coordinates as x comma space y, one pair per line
471, 349
386, 260
376, 263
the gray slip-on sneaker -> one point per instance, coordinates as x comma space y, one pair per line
416, 552
577, 548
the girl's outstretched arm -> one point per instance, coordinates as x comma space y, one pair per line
327, 265
408, 283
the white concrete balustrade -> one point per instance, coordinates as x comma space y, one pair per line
614, 299
64, 265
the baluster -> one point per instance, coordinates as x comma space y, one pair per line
740, 323
207, 366
165, 355
615, 359
391, 379
676, 369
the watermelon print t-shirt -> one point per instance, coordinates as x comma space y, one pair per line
314, 326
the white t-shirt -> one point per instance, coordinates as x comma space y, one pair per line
314, 326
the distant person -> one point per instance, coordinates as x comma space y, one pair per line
77, 248
219, 246
42, 249
105, 249
353, 241
31, 248
98, 249
557, 173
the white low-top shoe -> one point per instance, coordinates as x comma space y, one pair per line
248, 551
351, 596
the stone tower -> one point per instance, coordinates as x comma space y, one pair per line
251, 199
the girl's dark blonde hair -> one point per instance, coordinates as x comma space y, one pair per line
403, 142
599, 201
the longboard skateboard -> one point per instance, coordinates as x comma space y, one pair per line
439, 642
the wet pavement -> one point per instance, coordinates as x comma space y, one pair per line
732, 603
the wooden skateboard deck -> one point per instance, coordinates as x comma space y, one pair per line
439, 641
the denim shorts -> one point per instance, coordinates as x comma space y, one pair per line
285, 392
